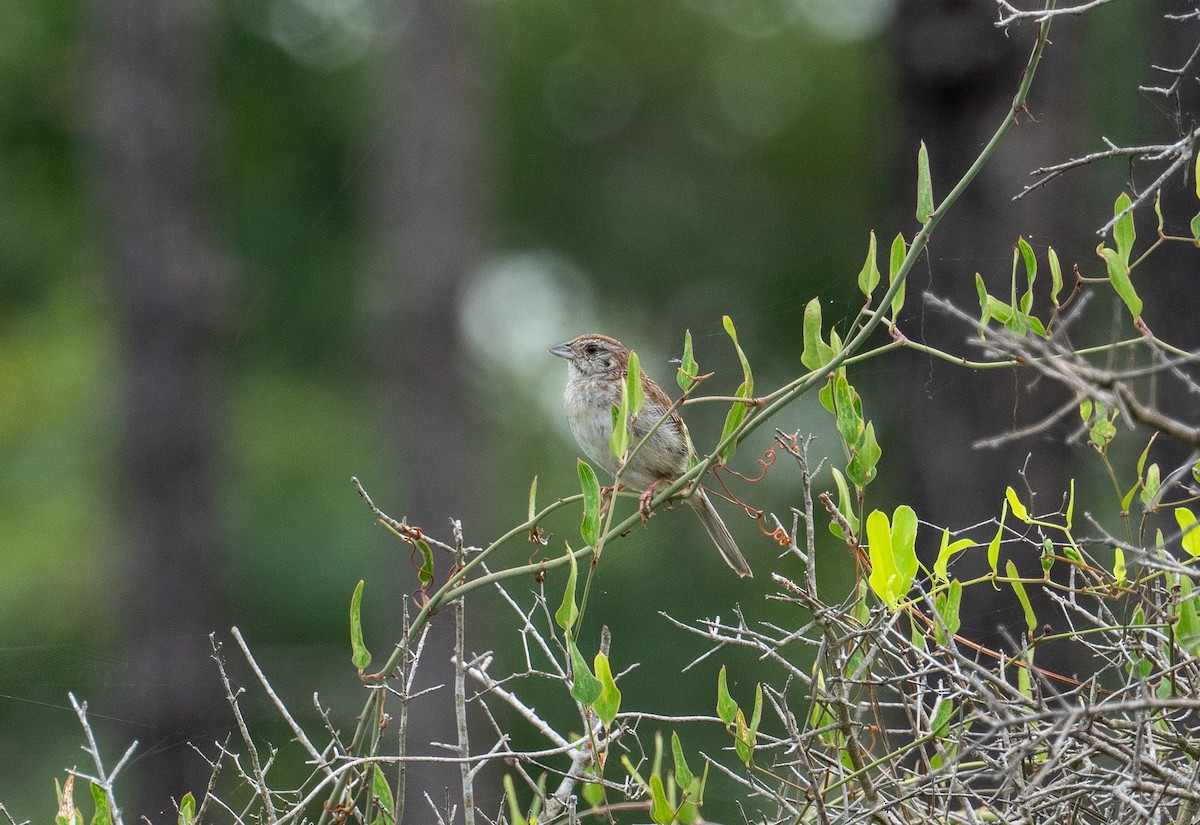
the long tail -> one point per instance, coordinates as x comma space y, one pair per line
719, 533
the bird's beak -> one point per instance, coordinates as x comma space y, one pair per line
563, 351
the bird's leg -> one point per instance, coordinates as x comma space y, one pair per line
644, 499
607, 494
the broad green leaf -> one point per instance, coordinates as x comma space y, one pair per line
1019, 588
895, 261
608, 704
924, 186
688, 368
861, 469
727, 709
1056, 281
985, 303
103, 816
359, 655
586, 688
1190, 530
683, 774
593, 793
660, 810
849, 422
1015, 505
816, 352
947, 604
567, 612
380, 789
633, 385
514, 807
945, 553
1118, 275
1123, 230
884, 578
868, 276
589, 527
993, 553
904, 542
1030, 260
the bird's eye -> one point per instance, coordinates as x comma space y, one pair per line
592, 349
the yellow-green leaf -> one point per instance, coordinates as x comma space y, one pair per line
1123, 230
633, 381
660, 810
868, 276
1019, 588
359, 655
1190, 530
1015, 505
688, 368
1118, 275
895, 261
586, 688
1056, 280
608, 703
589, 527
727, 708
568, 612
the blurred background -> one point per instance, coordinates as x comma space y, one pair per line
251, 248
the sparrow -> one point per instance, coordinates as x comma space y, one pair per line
596, 370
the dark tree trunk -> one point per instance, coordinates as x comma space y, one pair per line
152, 88
428, 207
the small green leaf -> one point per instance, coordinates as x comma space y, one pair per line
1195, 224
924, 186
103, 816
683, 774
1118, 275
1123, 231
733, 419
688, 368
747, 376
845, 505
1015, 505
1056, 280
947, 605
945, 553
1070, 505
743, 743
660, 810
1152, 484
862, 467
993, 552
359, 656
608, 704
425, 574
1120, 572
1019, 588
1158, 209
586, 688
567, 612
904, 542
727, 709
1190, 531
533, 498
985, 303
816, 352
1030, 260
514, 807
895, 261
618, 443
589, 527
633, 385
593, 792
942, 715
868, 276
381, 790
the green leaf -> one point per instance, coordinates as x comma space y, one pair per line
1070, 505
589, 527
586, 688
1190, 530
1056, 280
1120, 571
733, 419
727, 709
567, 612
633, 385
816, 352
533, 498
895, 261
1188, 630
1123, 231
868, 276
1158, 209
683, 774
845, 505
947, 604
425, 574
861, 469
608, 704
593, 792
993, 552
103, 816
381, 790
1030, 260
1118, 275
940, 726
924, 186
985, 303
747, 376
618, 443
359, 655
1023, 597
514, 807
1015, 505
688, 368
1151, 486
1195, 224
743, 743
945, 553
904, 542
660, 810
884, 578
